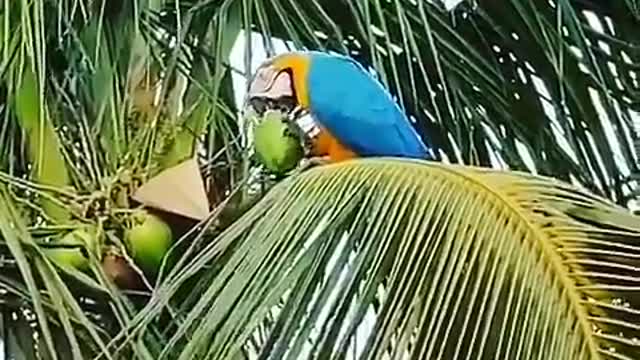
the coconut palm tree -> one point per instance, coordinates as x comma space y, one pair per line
518, 243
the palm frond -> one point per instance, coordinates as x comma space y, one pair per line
388, 257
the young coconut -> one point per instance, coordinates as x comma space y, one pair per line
148, 240
74, 248
277, 146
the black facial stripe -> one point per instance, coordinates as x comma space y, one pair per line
294, 94
259, 104
285, 104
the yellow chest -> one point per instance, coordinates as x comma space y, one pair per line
324, 143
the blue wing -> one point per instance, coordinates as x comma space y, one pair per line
358, 111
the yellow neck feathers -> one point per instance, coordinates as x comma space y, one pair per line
299, 65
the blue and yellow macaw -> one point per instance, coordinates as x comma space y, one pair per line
352, 114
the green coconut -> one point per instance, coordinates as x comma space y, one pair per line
148, 240
74, 249
278, 148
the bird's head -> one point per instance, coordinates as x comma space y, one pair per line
280, 84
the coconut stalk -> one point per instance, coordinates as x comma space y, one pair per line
103, 92
198, 105
119, 54
185, 139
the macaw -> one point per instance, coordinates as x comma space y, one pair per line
351, 113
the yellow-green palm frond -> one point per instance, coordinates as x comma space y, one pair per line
409, 258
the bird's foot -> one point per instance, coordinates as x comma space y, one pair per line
308, 163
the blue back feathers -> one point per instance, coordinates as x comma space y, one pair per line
358, 111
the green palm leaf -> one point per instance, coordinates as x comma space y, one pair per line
392, 257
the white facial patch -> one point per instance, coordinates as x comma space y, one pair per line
308, 125
271, 84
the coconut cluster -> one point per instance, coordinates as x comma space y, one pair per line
147, 239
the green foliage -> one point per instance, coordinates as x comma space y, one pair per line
75, 248
385, 256
373, 258
49, 167
495, 77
